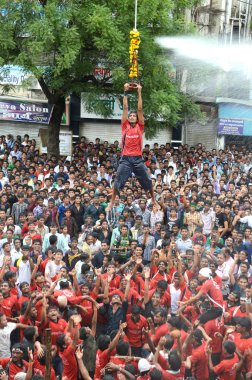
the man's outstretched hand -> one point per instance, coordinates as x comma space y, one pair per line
126, 87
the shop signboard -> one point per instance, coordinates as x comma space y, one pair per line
231, 127
29, 112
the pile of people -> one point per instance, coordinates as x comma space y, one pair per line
146, 282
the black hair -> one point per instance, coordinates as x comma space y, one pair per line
230, 347
85, 268
83, 334
169, 342
53, 239
64, 284
156, 375
103, 342
122, 348
60, 341
29, 332
8, 275
131, 369
162, 284
175, 322
174, 361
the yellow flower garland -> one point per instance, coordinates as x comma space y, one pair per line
133, 52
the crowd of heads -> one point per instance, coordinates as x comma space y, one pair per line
118, 286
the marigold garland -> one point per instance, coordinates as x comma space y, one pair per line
133, 52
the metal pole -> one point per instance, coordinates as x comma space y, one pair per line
135, 14
48, 343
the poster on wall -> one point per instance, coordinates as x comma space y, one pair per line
231, 127
65, 144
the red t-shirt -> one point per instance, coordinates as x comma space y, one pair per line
133, 298
159, 332
121, 363
191, 313
13, 368
243, 345
218, 280
199, 361
39, 369
134, 331
211, 288
10, 305
132, 139
211, 327
225, 370
114, 283
102, 358
157, 277
70, 367
57, 329
174, 376
21, 300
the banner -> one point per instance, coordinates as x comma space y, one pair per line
29, 112
112, 102
231, 127
13, 75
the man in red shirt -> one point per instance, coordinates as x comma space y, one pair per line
15, 364
198, 361
160, 327
225, 370
210, 289
67, 347
135, 325
9, 302
131, 145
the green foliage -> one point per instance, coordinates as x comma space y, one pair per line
61, 43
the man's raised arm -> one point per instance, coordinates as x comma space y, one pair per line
140, 105
125, 103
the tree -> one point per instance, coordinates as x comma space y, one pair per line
62, 42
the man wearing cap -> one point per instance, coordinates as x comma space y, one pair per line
144, 368
210, 289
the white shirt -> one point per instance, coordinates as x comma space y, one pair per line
52, 269
17, 230
24, 272
247, 219
5, 339
15, 255
175, 297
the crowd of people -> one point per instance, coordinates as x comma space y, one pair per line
133, 290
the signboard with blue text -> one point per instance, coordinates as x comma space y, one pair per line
231, 127
235, 117
29, 112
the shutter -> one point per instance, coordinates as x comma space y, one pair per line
112, 131
32, 129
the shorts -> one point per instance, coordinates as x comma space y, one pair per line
129, 165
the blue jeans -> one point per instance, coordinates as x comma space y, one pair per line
129, 165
